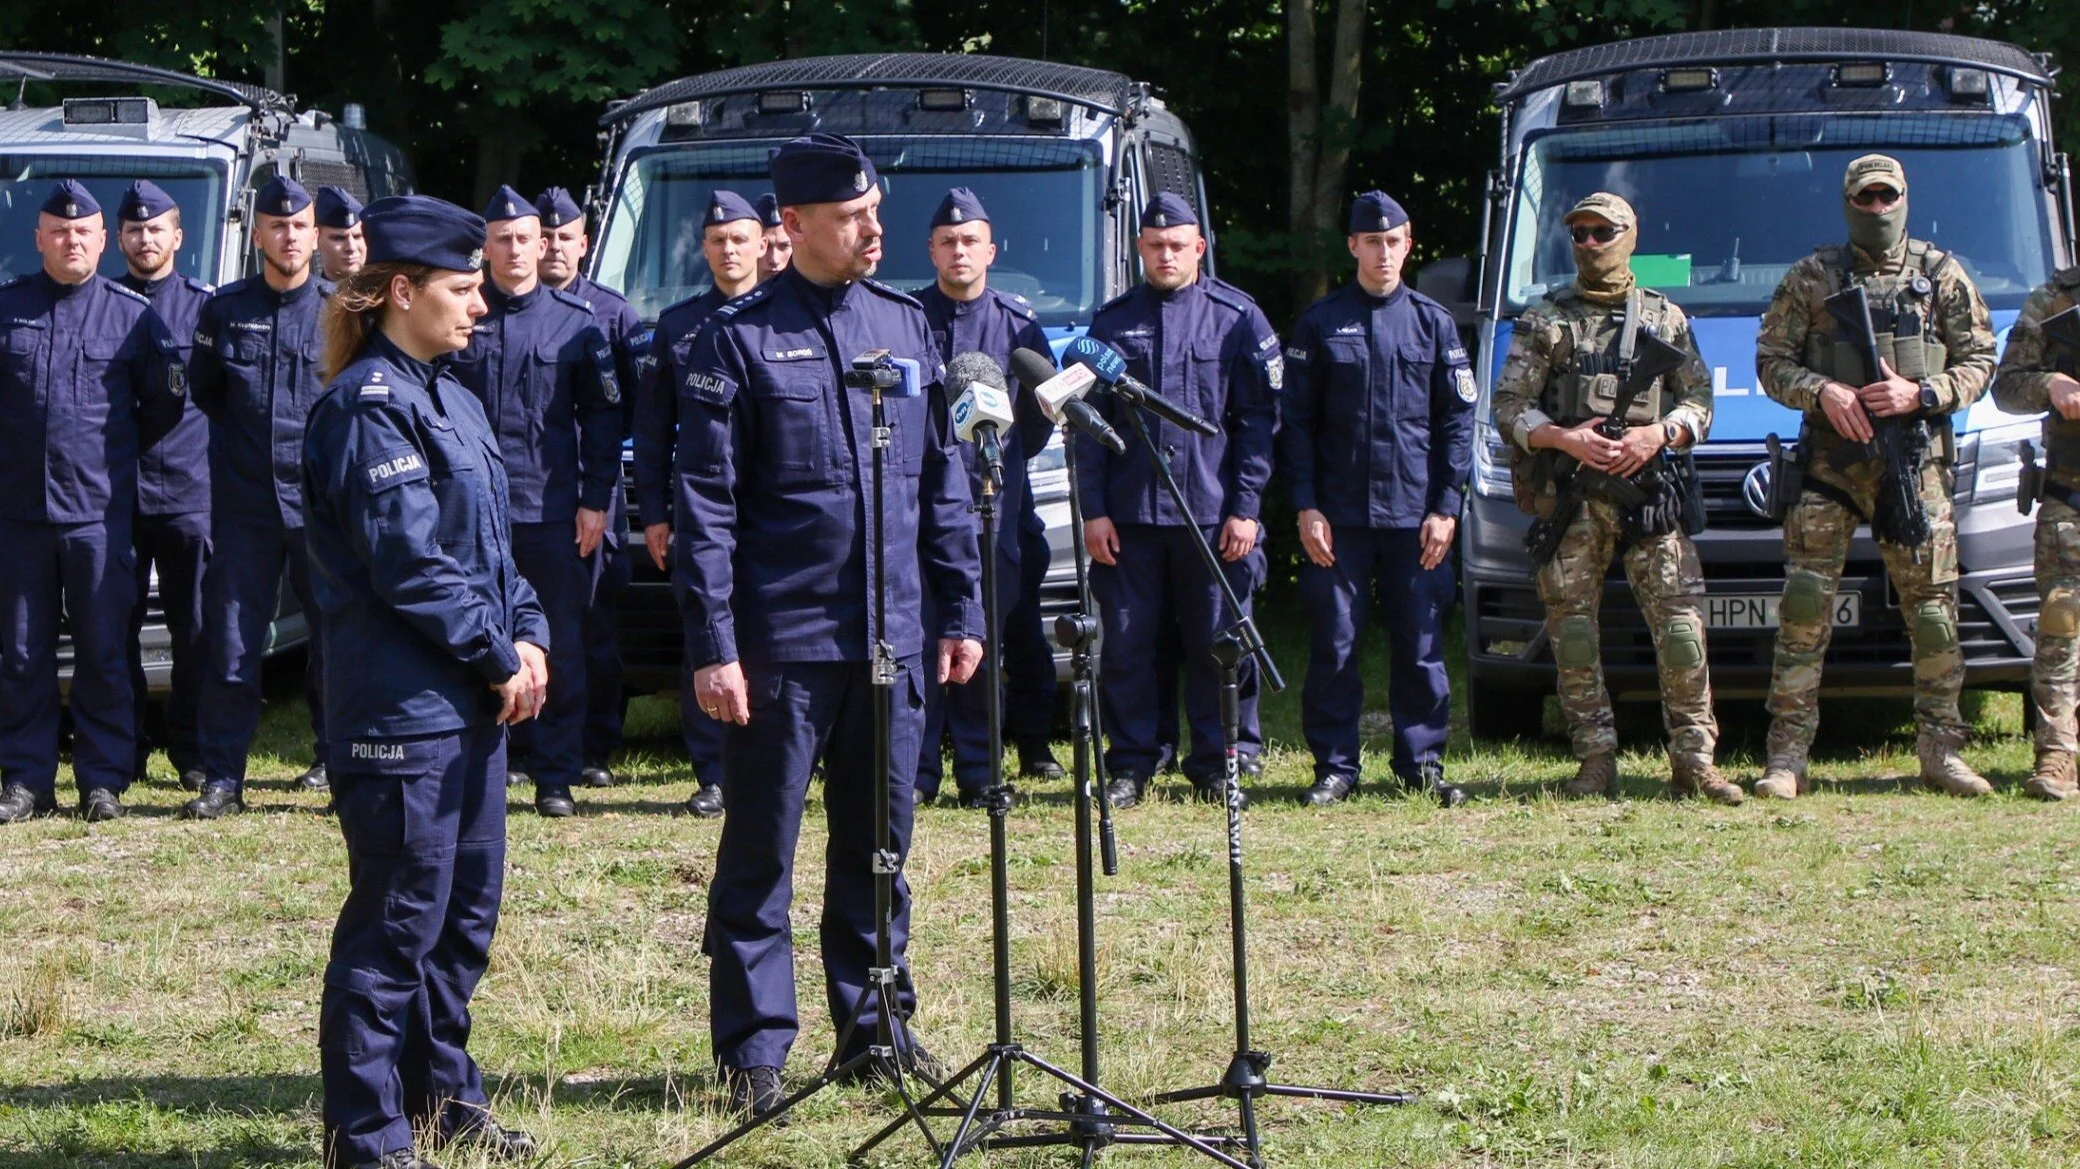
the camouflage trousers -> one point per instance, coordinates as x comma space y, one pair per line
1816, 542
2056, 673
1668, 584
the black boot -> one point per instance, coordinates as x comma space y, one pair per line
216, 802
1332, 789
1430, 778
99, 805
705, 802
554, 803
19, 802
597, 775
753, 1091
314, 779
1039, 763
1126, 789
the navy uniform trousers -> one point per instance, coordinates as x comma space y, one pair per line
606, 703
178, 546
552, 744
89, 570
800, 712
1382, 568
1160, 580
704, 736
241, 590
961, 712
425, 825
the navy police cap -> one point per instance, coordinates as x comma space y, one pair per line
69, 200
420, 229
506, 203
1376, 211
556, 207
337, 207
821, 168
769, 210
144, 200
959, 206
1169, 209
728, 207
281, 195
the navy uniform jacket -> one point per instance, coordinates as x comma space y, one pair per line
82, 367
775, 478
173, 464
547, 377
1207, 348
656, 416
1378, 427
411, 553
255, 373
618, 319
994, 324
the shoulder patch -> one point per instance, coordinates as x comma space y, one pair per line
392, 469
373, 392
714, 389
891, 292
23, 279
1462, 381
730, 308
1116, 301
139, 297
570, 298
1226, 297
1018, 306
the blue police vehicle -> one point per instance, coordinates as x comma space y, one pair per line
1732, 146
1063, 156
111, 124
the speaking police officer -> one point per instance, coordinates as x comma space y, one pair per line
776, 541
255, 373
171, 533
968, 316
342, 244
778, 246
733, 242
1376, 446
438, 647
543, 369
1204, 345
606, 705
83, 363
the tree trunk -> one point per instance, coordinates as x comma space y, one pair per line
1303, 130
1336, 130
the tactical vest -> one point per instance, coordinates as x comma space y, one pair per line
1587, 367
2062, 435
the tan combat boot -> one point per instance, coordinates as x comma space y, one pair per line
1700, 777
1943, 769
1782, 779
1595, 776
2054, 778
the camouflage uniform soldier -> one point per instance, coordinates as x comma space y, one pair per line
1561, 378
2034, 376
1935, 342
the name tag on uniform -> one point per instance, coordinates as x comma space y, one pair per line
389, 471
798, 353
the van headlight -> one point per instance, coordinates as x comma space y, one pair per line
1997, 466
1490, 462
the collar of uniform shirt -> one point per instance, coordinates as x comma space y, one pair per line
309, 287
514, 302
1392, 295
59, 288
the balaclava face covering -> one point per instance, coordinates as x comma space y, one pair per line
1878, 234
1604, 274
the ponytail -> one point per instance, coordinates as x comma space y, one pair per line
354, 311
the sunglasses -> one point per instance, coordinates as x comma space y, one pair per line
1601, 233
1875, 197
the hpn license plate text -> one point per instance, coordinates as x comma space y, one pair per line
1761, 612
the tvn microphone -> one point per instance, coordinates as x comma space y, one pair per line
1110, 370
981, 408
1060, 396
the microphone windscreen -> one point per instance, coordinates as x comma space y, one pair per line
1031, 368
973, 367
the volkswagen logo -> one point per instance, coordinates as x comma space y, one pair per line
1755, 489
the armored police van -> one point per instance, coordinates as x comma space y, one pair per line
209, 144
1732, 146
1062, 156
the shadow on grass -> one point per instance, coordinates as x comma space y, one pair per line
240, 1155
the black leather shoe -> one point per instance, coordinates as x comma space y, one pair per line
216, 802
1251, 766
1216, 792
982, 801
398, 1159
555, 803
705, 802
1126, 789
1040, 765
597, 776
517, 778
753, 1091
19, 802
100, 804
1431, 779
193, 778
314, 779
497, 1142
1331, 789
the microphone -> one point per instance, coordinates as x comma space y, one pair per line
1080, 415
982, 408
1060, 394
1110, 369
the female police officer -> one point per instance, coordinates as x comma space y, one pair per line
441, 646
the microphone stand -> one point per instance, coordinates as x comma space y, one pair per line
1243, 1081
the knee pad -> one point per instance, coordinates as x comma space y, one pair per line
1805, 598
1682, 644
1934, 631
1577, 644
2061, 615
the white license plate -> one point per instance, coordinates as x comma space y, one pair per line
1761, 612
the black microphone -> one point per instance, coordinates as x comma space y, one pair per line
1083, 417
981, 408
1060, 394
1111, 370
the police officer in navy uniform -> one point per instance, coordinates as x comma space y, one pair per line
342, 245
171, 532
733, 242
968, 316
438, 646
542, 367
775, 543
255, 373
778, 247
1204, 345
606, 704
1376, 448
84, 364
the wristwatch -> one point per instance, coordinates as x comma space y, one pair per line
1928, 398
1671, 433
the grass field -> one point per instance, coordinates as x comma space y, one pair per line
1873, 976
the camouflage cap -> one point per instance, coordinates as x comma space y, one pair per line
1606, 206
1871, 170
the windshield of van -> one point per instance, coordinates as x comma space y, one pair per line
26, 179
1727, 206
1043, 195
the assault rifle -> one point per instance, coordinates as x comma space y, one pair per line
1900, 444
1651, 360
